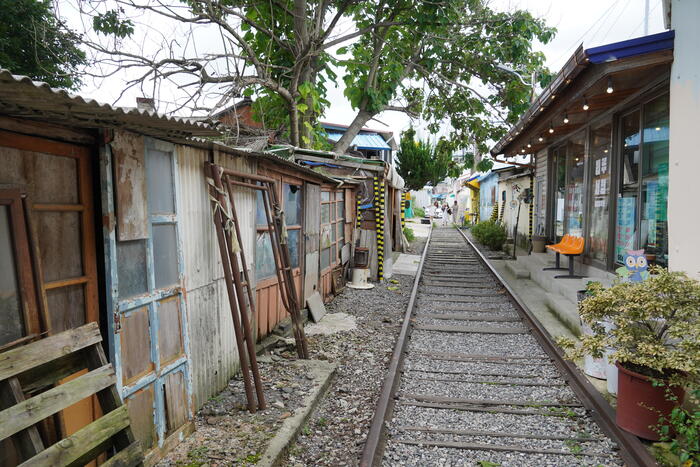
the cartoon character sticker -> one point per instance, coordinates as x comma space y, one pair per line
635, 268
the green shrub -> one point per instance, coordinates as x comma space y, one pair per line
680, 432
408, 232
490, 233
419, 212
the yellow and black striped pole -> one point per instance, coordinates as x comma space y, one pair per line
379, 211
359, 211
532, 204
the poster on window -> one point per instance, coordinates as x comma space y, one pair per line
626, 215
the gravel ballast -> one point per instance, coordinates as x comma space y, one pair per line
479, 391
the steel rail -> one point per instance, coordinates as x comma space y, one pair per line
632, 450
372, 447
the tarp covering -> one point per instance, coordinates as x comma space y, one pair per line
364, 141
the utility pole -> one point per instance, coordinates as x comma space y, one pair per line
646, 17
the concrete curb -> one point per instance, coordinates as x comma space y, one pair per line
323, 373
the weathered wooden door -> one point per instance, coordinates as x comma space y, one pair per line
148, 340
312, 226
56, 178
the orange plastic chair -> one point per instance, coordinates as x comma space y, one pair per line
564, 240
573, 248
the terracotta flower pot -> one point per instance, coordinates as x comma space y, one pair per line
640, 404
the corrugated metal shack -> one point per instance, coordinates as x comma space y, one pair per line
118, 230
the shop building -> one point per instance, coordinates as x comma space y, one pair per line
599, 134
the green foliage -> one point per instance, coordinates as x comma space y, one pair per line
112, 23
656, 323
490, 233
685, 423
419, 163
397, 49
419, 212
35, 43
408, 233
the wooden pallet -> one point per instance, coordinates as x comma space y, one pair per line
36, 369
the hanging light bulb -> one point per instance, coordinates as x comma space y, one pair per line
529, 144
566, 118
551, 129
522, 150
540, 139
610, 86
585, 104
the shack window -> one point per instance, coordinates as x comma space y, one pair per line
332, 227
291, 201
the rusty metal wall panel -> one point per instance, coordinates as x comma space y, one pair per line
129, 152
213, 353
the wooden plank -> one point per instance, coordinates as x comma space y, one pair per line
494, 447
490, 382
129, 152
27, 442
109, 396
499, 434
470, 329
462, 317
32, 411
468, 401
85, 444
127, 457
492, 409
482, 357
16, 361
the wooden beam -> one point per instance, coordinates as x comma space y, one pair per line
85, 444
16, 361
340, 162
32, 411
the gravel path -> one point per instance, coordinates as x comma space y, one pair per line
476, 388
336, 433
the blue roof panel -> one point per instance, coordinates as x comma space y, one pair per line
629, 48
364, 141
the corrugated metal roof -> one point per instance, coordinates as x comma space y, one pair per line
580, 60
22, 97
364, 141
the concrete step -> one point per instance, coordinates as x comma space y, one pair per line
517, 270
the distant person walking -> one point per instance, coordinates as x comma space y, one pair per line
433, 211
455, 212
445, 214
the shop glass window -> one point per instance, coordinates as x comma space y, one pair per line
599, 189
575, 156
626, 215
559, 190
654, 189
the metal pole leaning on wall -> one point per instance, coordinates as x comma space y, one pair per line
216, 192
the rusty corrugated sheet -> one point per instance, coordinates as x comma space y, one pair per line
22, 97
212, 341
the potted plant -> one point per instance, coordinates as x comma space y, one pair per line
655, 333
592, 366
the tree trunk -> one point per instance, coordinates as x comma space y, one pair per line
345, 141
294, 125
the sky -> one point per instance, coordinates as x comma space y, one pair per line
591, 22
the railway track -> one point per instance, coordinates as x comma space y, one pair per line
475, 380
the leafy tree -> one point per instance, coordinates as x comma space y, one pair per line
35, 43
420, 164
442, 59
